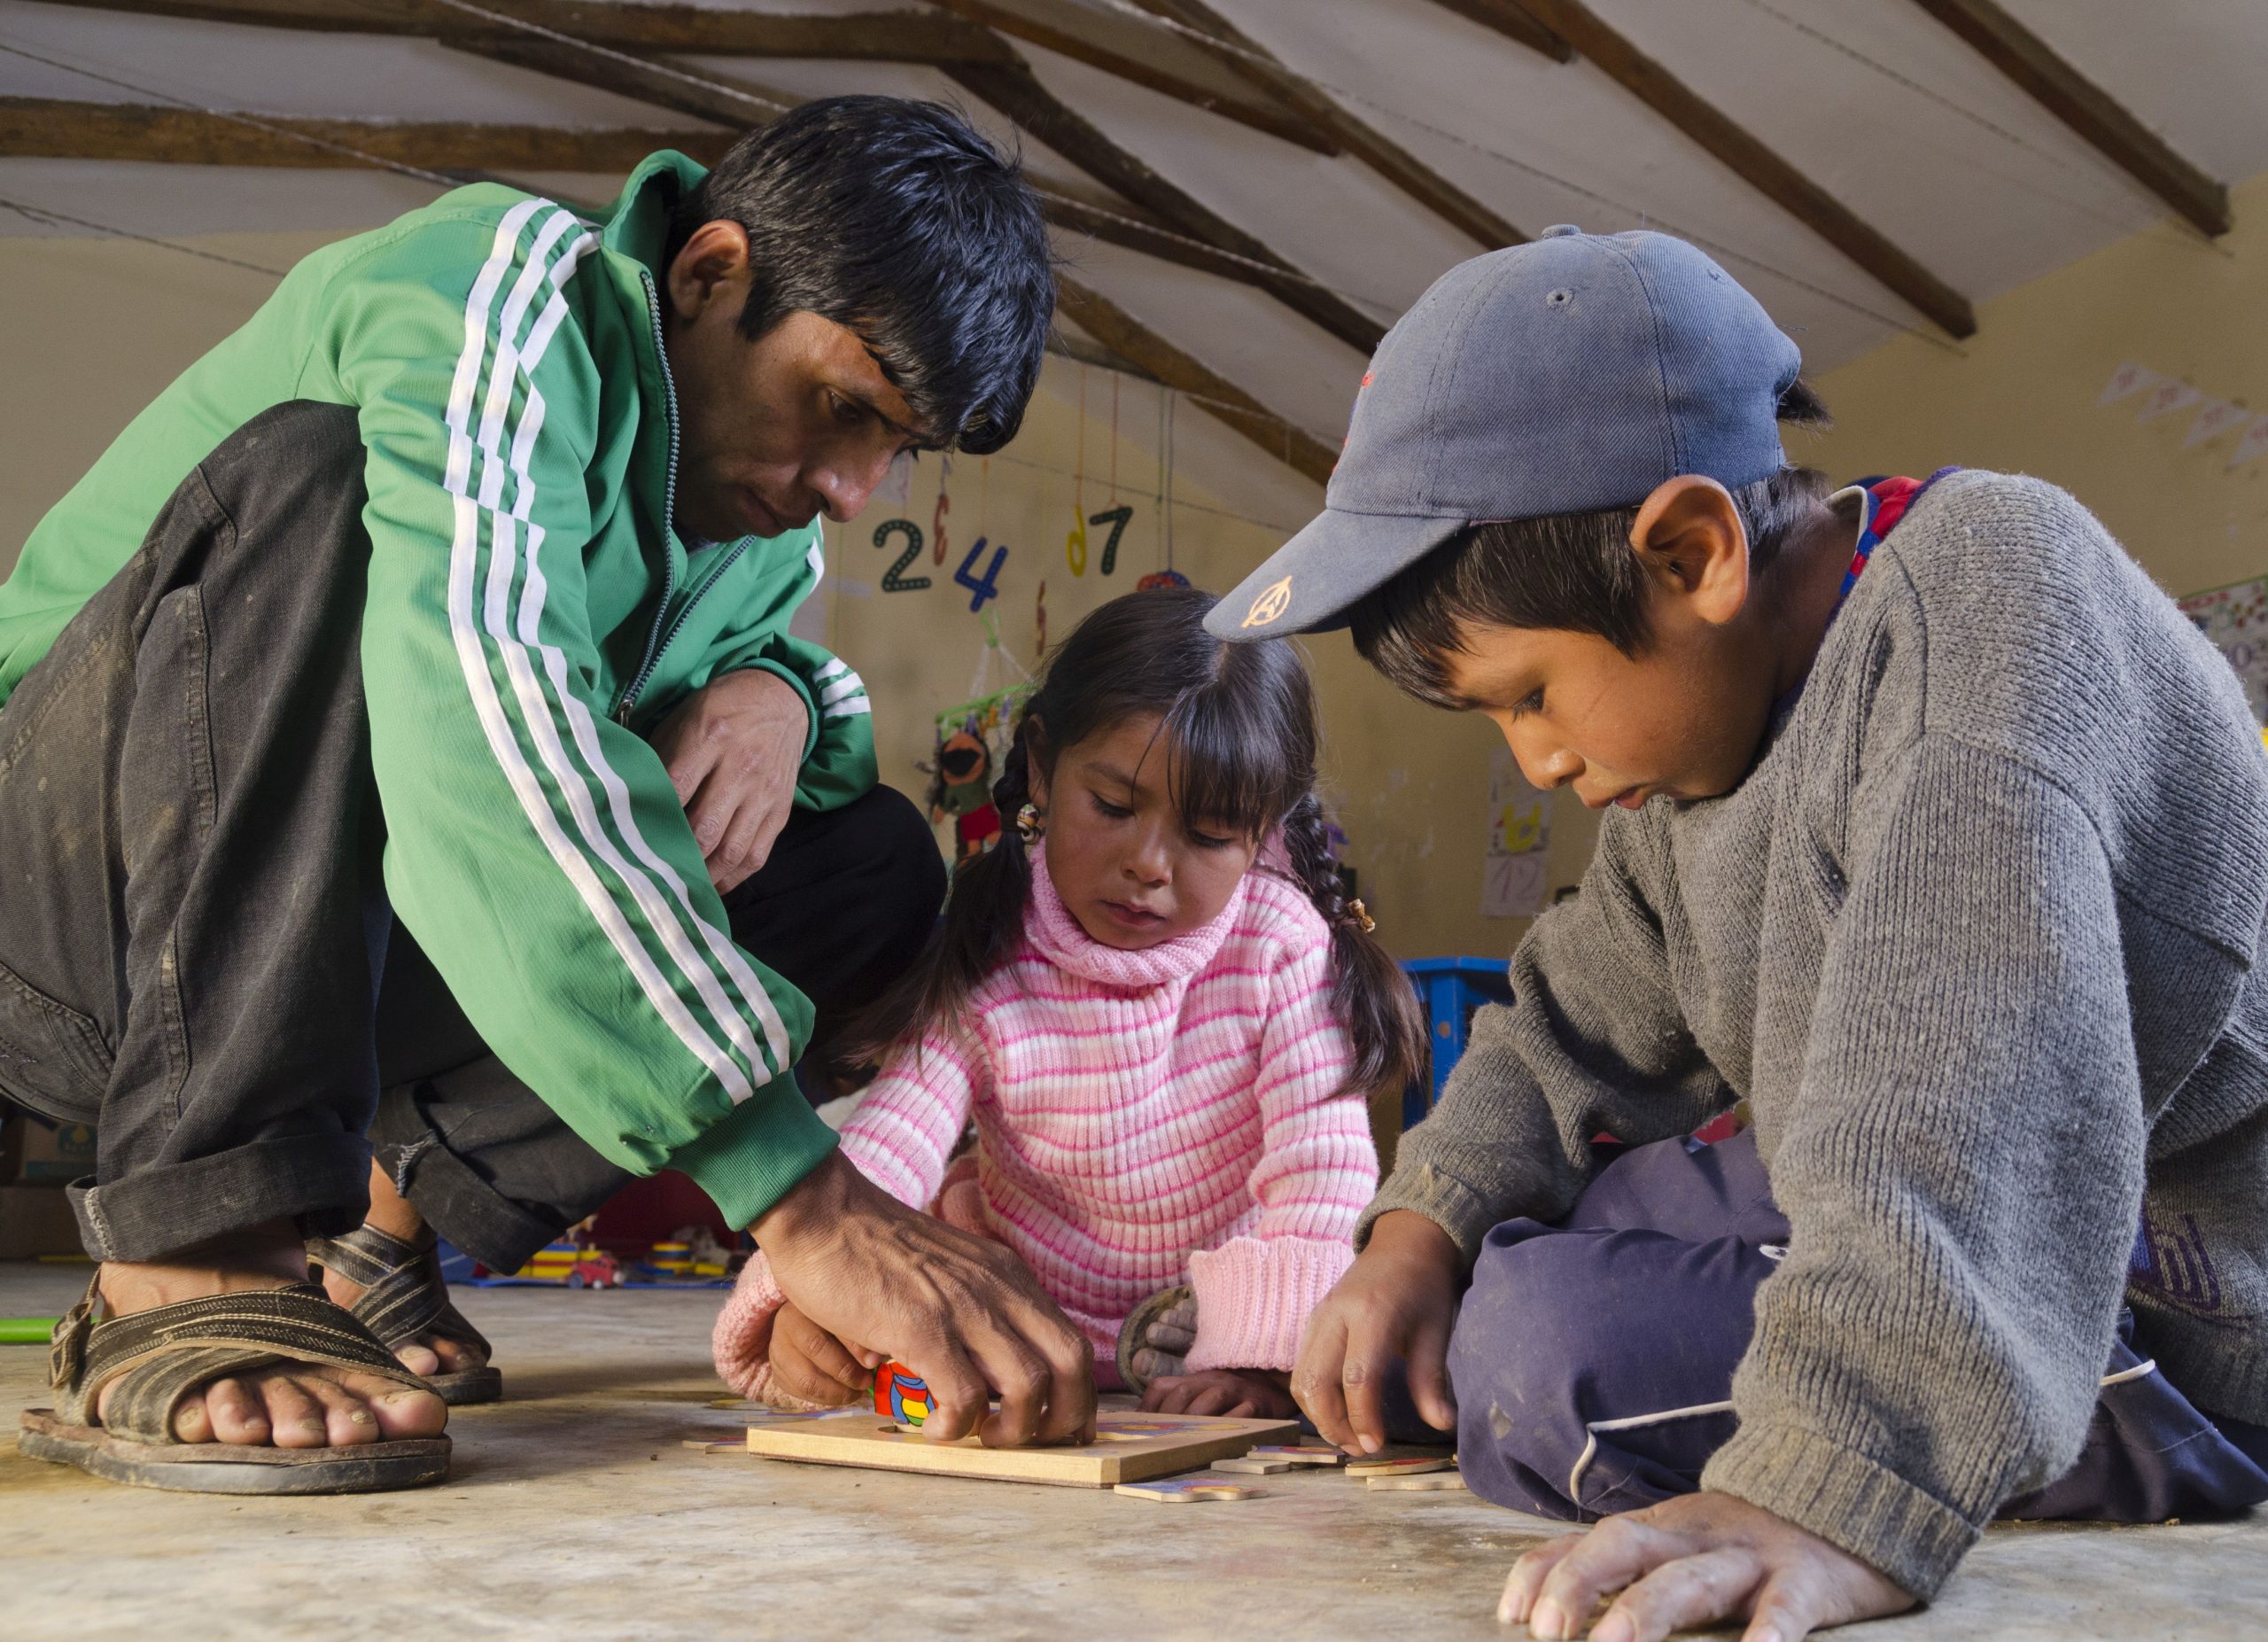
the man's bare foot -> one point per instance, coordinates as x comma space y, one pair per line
391, 1213
300, 1405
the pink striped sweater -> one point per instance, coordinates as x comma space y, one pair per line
1143, 1119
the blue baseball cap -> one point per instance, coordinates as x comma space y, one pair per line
1570, 375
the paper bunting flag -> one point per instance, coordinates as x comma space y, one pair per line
2253, 445
2128, 379
2217, 418
2170, 396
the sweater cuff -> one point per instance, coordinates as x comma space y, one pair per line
1254, 1296
1448, 1203
741, 1345
1847, 1499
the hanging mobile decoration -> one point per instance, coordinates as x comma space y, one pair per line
1168, 577
973, 738
1074, 545
944, 506
1117, 513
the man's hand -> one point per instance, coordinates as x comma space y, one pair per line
1688, 1563
733, 748
962, 1312
809, 1363
1394, 1305
1239, 1393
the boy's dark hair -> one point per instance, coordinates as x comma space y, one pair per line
899, 220
1573, 573
1239, 738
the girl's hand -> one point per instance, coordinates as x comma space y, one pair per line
1239, 1393
810, 1363
1394, 1307
1688, 1563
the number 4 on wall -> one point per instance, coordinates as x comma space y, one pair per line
983, 588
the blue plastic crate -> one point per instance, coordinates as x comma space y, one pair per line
1450, 989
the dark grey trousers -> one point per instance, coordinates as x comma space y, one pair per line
195, 953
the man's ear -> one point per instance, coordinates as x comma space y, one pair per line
1688, 534
712, 267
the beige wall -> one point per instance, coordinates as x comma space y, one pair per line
2021, 396
90, 331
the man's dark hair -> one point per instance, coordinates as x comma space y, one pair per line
1571, 573
899, 220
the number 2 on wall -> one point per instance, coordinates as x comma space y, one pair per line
980, 589
892, 582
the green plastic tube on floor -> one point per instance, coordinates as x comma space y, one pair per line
26, 1330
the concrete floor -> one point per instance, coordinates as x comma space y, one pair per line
573, 1511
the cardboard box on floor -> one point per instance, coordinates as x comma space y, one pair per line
35, 1153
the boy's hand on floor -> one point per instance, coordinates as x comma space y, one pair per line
963, 1312
1692, 1562
1239, 1393
810, 1363
1395, 1307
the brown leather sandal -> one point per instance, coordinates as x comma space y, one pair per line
402, 1299
160, 1356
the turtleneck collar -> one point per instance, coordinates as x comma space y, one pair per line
1056, 934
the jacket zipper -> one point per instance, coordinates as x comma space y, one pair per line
655, 641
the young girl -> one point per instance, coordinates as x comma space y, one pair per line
1160, 1013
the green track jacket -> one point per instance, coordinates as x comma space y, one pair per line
531, 612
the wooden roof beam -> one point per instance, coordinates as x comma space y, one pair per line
976, 58
727, 99
55, 129
1419, 181
2053, 83
1793, 192
1017, 92
42, 127
1069, 30
925, 35
1215, 395
1506, 18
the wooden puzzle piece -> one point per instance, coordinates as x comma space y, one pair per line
1397, 1468
1426, 1483
1251, 1467
1153, 1448
1300, 1456
901, 1395
1186, 1491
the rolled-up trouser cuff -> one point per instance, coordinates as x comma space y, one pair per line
321, 1181
462, 1208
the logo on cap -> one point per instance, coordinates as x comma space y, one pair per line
1269, 605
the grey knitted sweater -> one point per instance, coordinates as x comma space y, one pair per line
1976, 938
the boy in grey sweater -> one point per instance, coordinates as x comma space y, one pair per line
1939, 844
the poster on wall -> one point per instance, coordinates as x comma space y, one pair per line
1514, 883
2235, 617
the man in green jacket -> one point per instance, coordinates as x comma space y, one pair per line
405, 702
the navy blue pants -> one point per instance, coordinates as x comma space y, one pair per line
1592, 1360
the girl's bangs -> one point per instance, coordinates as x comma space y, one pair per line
1226, 769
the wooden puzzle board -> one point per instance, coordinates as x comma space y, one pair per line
1128, 1448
